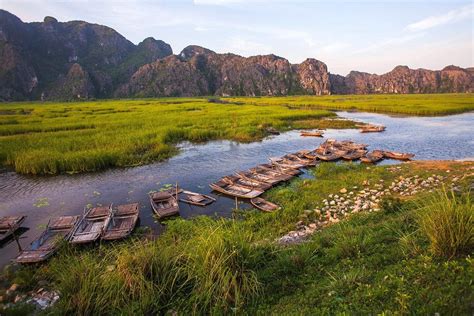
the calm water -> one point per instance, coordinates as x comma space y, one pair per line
449, 137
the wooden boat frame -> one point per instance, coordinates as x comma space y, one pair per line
123, 220
235, 190
97, 218
207, 199
171, 210
256, 202
46, 245
9, 225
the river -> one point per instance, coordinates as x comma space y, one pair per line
197, 165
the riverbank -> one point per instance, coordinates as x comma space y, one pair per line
379, 261
53, 138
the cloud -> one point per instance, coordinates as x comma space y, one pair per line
452, 16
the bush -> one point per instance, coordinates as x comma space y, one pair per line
448, 222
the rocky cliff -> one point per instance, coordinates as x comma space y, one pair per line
79, 60
405, 80
44, 59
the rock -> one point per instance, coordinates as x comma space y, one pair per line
313, 225
343, 190
332, 203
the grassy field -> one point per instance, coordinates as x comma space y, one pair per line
369, 263
53, 138
409, 104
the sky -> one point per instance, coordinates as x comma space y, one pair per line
369, 35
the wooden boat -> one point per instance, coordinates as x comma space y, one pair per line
92, 225
42, 248
354, 154
372, 157
397, 155
164, 203
372, 128
291, 171
235, 190
303, 159
264, 205
285, 163
9, 225
196, 198
123, 221
258, 177
245, 182
275, 174
311, 133
330, 156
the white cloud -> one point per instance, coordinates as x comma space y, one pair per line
452, 16
394, 41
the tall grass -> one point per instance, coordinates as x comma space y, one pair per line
448, 222
198, 267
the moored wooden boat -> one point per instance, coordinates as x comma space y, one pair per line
397, 155
286, 163
9, 225
330, 156
91, 225
123, 221
354, 154
264, 205
372, 157
164, 204
245, 182
258, 177
196, 198
311, 133
291, 171
275, 174
372, 128
309, 162
42, 248
235, 190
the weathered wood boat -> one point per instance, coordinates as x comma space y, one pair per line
245, 182
165, 203
291, 171
235, 190
42, 248
91, 225
311, 133
330, 156
123, 221
196, 198
9, 225
264, 205
258, 177
354, 154
285, 163
372, 128
303, 159
397, 155
372, 157
275, 174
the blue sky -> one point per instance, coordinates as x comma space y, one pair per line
372, 36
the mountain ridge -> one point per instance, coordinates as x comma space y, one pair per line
53, 60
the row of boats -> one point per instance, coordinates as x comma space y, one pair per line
103, 222
250, 184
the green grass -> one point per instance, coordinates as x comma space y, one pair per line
408, 104
374, 263
52, 138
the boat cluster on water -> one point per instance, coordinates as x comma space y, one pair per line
117, 222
